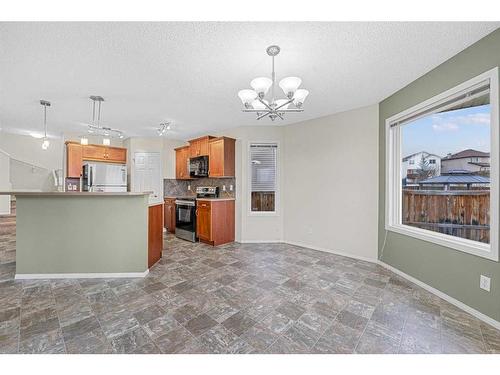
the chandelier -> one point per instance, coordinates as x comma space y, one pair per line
254, 100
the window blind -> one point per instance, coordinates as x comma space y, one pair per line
472, 96
263, 165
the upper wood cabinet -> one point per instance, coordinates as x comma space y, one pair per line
74, 160
105, 153
221, 153
199, 146
76, 153
181, 163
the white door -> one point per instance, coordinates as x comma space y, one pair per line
146, 175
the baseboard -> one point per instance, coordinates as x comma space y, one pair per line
444, 296
32, 276
307, 246
261, 241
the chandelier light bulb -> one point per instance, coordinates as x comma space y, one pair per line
300, 96
247, 96
261, 85
106, 141
289, 85
45, 144
84, 141
256, 104
280, 102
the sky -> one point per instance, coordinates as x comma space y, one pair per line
448, 132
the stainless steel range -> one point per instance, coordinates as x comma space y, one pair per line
185, 212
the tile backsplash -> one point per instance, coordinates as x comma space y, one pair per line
179, 188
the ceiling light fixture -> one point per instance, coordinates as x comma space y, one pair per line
45, 141
97, 129
254, 101
164, 126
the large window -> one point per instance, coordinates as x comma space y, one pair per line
442, 168
263, 176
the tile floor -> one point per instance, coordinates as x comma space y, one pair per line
239, 298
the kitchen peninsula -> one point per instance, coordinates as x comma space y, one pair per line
73, 234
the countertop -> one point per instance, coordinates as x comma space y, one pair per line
70, 193
202, 199
216, 199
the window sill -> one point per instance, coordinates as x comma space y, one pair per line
467, 246
263, 213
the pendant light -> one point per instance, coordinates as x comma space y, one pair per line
45, 139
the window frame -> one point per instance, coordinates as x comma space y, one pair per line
249, 180
393, 193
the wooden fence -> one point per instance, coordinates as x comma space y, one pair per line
263, 201
464, 213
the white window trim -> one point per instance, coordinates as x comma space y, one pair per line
249, 181
393, 196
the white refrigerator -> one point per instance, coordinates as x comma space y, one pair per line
104, 177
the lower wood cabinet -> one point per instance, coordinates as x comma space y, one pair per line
169, 214
215, 221
155, 233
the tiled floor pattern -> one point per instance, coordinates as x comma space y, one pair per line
240, 298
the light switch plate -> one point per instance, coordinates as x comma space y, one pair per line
485, 283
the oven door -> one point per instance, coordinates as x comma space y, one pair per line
185, 215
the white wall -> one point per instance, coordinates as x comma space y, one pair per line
4, 182
331, 183
255, 228
26, 152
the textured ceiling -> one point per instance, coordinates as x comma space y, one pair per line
190, 72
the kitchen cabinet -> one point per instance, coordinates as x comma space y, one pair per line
105, 153
155, 233
221, 154
215, 221
74, 160
199, 146
77, 153
169, 214
182, 163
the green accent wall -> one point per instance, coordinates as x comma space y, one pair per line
78, 234
450, 271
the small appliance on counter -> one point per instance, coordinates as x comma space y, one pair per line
104, 177
198, 167
185, 212
207, 192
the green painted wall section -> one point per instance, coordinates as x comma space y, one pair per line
450, 271
79, 234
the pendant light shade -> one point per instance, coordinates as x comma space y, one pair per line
256, 104
280, 102
300, 96
289, 85
261, 85
45, 144
247, 96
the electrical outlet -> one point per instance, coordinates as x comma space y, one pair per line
230, 187
223, 187
189, 187
485, 283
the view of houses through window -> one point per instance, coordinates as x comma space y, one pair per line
445, 171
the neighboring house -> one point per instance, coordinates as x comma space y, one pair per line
412, 163
473, 161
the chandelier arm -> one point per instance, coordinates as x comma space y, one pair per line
279, 115
267, 105
263, 115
